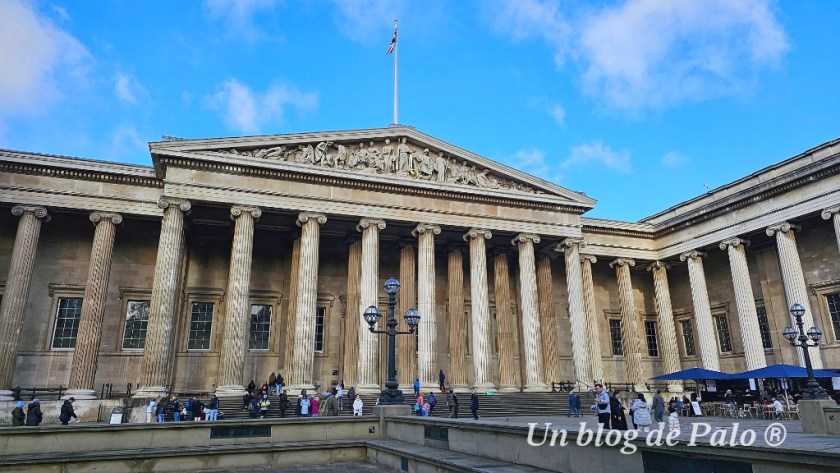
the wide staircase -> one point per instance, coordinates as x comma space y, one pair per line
498, 405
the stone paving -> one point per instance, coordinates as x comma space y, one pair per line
333, 468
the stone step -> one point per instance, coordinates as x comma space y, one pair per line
392, 452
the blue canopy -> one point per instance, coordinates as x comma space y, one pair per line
782, 371
693, 374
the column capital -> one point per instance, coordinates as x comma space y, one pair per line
166, 202
783, 227
525, 237
422, 228
368, 222
591, 258
734, 242
96, 217
36, 210
829, 212
474, 233
693, 254
236, 211
570, 242
622, 261
304, 217
658, 265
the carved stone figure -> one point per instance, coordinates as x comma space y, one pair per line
306, 154
389, 158
321, 153
340, 155
404, 156
375, 160
277, 153
486, 181
425, 165
440, 167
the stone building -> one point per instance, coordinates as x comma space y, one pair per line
233, 258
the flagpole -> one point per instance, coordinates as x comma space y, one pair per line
396, 54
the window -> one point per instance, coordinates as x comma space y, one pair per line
650, 335
260, 327
688, 337
723, 333
320, 314
764, 327
833, 301
67, 322
615, 337
201, 324
136, 323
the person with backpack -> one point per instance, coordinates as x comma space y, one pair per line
254, 408
452, 404
574, 405
283, 402
34, 416
432, 400
18, 416
67, 411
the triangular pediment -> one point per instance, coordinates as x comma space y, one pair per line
396, 155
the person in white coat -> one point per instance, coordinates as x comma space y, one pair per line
673, 421
641, 413
150, 410
358, 405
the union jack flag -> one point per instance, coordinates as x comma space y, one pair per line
393, 41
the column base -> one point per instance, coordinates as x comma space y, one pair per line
676, 388
460, 388
426, 387
149, 392
297, 388
509, 388
375, 389
482, 388
79, 394
537, 388
231, 390
640, 388
6, 395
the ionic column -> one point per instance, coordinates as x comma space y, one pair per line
13, 305
506, 325
577, 308
479, 295
427, 367
667, 332
291, 315
795, 289
367, 368
833, 214
303, 358
157, 355
457, 375
745, 301
86, 354
702, 311
352, 319
548, 318
531, 336
407, 346
593, 335
238, 308
629, 323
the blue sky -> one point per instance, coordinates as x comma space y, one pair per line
640, 104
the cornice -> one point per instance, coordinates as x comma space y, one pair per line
617, 228
63, 167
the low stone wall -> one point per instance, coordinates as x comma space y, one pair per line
86, 410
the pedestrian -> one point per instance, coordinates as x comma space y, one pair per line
34, 416
284, 402
213, 409
442, 381
329, 407
176, 409
246, 400
452, 404
601, 406
574, 405
418, 405
67, 411
416, 387
474, 403
252, 386
358, 406
280, 382
339, 396
314, 406
658, 407
304, 404
160, 410
196, 407
618, 421
425, 409
264, 404
432, 400
254, 408
641, 413
272, 383
150, 410
673, 421
18, 416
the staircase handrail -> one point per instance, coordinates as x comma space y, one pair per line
588, 387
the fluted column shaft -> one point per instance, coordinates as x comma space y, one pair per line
531, 336
367, 369
479, 295
593, 335
629, 323
506, 325
548, 319
303, 360
457, 376
796, 290
352, 319
427, 367
667, 331
291, 316
238, 313
86, 353
833, 213
745, 302
577, 309
702, 311
16, 293
157, 355
407, 346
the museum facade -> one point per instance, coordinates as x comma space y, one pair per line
232, 258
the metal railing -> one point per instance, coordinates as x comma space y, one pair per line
41, 393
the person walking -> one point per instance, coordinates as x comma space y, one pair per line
272, 383
358, 406
284, 402
196, 407
176, 409
641, 413
618, 421
160, 410
329, 407
658, 407
474, 403
150, 410
416, 387
339, 396
34, 416
601, 406
673, 421
67, 411
18, 416
212, 409
432, 400
452, 404
442, 381
730, 399
304, 404
574, 405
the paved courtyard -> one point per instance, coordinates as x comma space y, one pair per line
334, 468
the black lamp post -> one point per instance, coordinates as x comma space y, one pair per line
799, 338
391, 395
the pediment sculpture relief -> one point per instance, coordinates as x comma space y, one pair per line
400, 159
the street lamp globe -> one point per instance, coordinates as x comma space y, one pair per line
412, 317
372, 315
797, 310
789, 333
814, 334
392, 286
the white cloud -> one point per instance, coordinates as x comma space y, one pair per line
533, 161
675, 159
127, 144
40, 61
558, 113
246, 111
61, 12
239, 15
656, 54
128, 88
596, 153
367, 20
